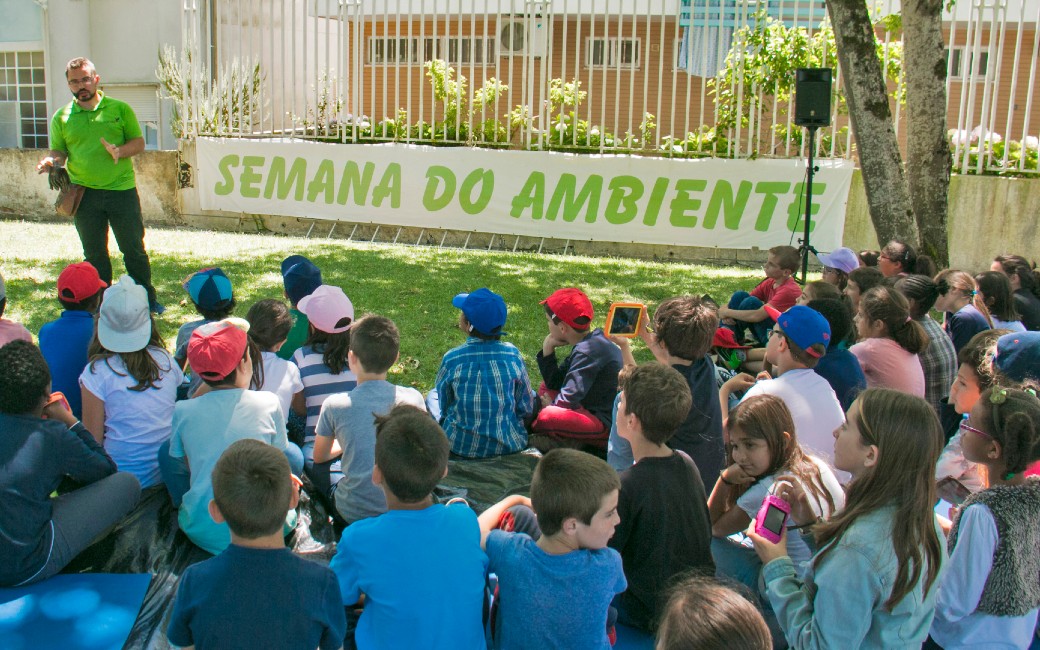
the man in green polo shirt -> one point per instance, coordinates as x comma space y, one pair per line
95, 136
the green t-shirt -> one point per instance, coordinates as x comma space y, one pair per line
78, 133
297, 334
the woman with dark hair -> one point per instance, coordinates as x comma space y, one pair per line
995, 290
939, 358
1025, 283
900, 258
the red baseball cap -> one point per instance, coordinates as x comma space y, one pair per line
79, 281
570, 304
215, 349
724, 338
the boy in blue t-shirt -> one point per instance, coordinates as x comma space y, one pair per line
482, 396
556, 576
419, 566
256, 593
211, 293
64, 341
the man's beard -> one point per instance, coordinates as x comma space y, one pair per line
90, 95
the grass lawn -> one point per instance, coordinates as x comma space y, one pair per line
411, 285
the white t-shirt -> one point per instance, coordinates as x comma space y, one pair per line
797, 549
203, 428
136, 422
814, 408
281, 378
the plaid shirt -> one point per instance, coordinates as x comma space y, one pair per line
939, 361
485, 396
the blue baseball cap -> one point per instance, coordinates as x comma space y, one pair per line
804, 326
300, 277
210, 289
1018, 355
484, 309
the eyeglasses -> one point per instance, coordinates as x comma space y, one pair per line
81, 82
967, 427
774, 331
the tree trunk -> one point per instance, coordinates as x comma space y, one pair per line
867, 97
927, 150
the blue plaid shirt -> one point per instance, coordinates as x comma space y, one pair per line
485, 396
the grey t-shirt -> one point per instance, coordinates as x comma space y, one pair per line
350, 418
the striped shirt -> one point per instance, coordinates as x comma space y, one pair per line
485, 396
318, 384
939, 362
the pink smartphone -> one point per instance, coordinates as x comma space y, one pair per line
772, 517
58, 396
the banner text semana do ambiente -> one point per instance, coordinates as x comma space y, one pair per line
705, 202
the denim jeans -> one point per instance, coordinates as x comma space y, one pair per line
742, 300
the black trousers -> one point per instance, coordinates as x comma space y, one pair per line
120, 209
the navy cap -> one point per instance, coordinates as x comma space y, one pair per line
300, 277
1018, 355
484, 309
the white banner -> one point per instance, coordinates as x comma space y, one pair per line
706, 202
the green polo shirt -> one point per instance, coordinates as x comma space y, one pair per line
78, 133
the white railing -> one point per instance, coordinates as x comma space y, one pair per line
588, 75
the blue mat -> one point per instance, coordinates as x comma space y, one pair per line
81, 611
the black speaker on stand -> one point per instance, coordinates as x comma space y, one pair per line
812, 109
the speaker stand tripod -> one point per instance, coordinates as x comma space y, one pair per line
806, 247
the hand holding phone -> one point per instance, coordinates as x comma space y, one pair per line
952, 491
772, 517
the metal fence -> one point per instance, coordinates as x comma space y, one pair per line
654, 77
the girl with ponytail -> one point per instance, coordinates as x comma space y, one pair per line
966, 313
1025, 283
889, 342
990, 594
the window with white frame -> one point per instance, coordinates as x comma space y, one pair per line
23, 84
405, 50
962, 63
612, 52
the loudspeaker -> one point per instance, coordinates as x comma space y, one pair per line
812, 97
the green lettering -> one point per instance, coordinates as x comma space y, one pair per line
564, 197
683, 202
653, 206
621, 206
532, 195
324, 181
770, 189
723, 200
389, 186
276, 177
486, 179
437, 175
249, 176
796, 209
356, 182
227, 183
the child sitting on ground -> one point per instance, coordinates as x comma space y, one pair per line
269, 324
665, 529
256, 593
130, 384
482, 396
899, 258
861, 281
704, 613
939, 358
683, 329
207, 425
764, 450
815, 290
211, 293
347, 422
974, 376
419, 567
994, 289
64, 341
965, 312
837, 265
556, 576
300, 277
42, 445
990, 593
577, 394
9, 329
889, 342
1025, 284
839, 367
778, 290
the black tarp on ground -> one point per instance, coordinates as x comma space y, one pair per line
150, 541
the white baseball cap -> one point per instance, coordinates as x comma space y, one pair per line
124, 323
